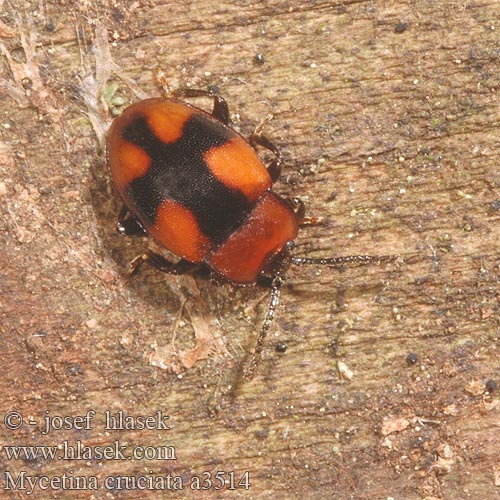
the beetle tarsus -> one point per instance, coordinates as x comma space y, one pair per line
136, 263
311, 221
299, 208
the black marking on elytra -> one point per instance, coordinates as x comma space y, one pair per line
179, 172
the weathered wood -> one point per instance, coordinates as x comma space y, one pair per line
388, 117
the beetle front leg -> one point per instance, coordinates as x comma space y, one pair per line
299, 209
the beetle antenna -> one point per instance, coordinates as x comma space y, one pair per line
276, 285
341, 261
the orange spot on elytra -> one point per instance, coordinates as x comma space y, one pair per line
237, 166
176, 228
167, 119
127, 162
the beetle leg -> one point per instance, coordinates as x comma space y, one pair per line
257, 139
220, 110
127, 224
311, 221
161, 263
299, 208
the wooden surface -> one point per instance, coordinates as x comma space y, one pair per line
387, 113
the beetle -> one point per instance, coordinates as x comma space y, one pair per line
198, 188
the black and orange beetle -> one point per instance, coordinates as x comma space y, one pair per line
199, 189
